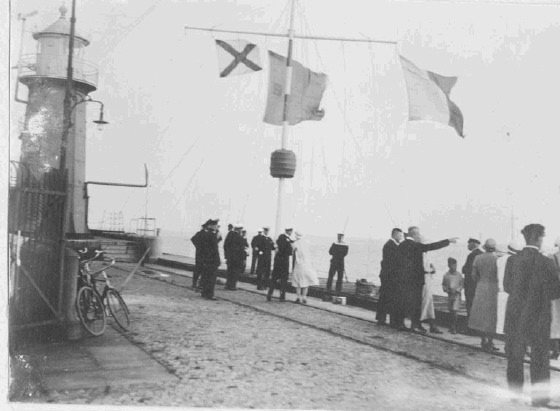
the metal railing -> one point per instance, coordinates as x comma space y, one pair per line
143, 226
56, 66
35, 230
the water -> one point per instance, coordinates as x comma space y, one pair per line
363, 260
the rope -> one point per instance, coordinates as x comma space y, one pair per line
128, 30
336, 98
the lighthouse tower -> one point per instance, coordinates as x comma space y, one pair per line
45, 75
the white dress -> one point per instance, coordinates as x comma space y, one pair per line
303, 275
502, 295
428, 311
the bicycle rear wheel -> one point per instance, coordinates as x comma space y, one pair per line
91, 311
118, 308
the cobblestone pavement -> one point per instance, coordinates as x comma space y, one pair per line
244, 352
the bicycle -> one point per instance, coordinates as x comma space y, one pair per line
91, 306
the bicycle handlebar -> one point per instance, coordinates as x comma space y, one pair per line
92, 273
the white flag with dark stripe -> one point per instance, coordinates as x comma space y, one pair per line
428, 96
237, 57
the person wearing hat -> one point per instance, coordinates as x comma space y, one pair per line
210, 257
386, 303
196, 240
531, 281
281, 269
237, 256
304, 275
484, 308
469, 284
227, 248
512, 250
410, 275
255, 250
338, 251
265, 246
555, 310
246, 248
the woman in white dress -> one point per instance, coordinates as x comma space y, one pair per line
303, 274
555, 307
428, 314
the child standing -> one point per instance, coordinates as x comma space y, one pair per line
453, 284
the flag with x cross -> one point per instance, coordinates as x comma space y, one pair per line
237, 57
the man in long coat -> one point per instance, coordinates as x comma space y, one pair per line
196, 240
386, 302
532, 281
410, 273
281, 269
469, 283
264, 246
237, 256
255, 250
210, 258
227, 248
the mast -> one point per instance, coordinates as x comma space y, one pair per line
284, 141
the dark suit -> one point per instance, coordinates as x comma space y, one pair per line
469, 283
386, 302
265, 246
532, 281
227, 252
197, 271
338, 252
281, 268
255, 253
210, 257
410, 276
236, 258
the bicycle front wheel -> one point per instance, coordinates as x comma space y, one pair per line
91, 311
118, 308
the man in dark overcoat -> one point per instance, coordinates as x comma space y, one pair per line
227, 248
338, 251
532, 281
410, 274
237, 256
469, 282
255, 250
196, 240
386, 302
210, 256
281, 269
265, 246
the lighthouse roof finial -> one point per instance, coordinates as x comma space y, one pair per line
62, 27
63, 10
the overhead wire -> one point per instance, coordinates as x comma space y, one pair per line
129, 29
337, 99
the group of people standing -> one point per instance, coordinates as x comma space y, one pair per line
236, 251
516, 293
403, 278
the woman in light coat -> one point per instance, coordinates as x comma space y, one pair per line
483, 316
303, 274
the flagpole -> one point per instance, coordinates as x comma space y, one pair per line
284, 142
326, 38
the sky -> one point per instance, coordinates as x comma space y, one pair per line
364, 168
